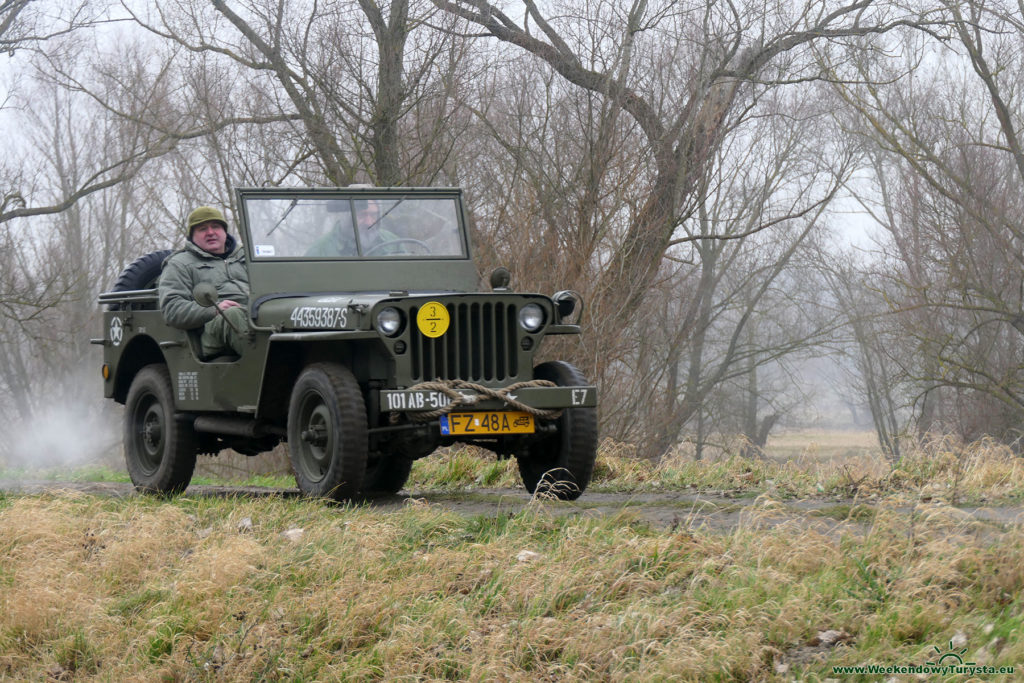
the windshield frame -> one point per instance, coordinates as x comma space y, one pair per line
392, 204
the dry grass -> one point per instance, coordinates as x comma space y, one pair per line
936, 468
939, 468
145, 589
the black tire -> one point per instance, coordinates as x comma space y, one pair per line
142, 273
560, 465
159, 449
387, 476
327, 432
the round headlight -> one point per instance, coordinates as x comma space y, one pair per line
531, 317
389, 321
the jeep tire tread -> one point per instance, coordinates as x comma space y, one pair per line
159, 448
560, 465
327, 432
387, 476
142, 273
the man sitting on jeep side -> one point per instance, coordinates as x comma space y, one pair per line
210, 255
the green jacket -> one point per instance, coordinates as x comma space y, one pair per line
186, 268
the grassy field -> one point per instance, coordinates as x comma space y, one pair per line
199, 588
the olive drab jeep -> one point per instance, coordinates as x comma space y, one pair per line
369, 347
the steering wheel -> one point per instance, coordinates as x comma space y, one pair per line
400, 240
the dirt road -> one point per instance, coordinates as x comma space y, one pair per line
714, 510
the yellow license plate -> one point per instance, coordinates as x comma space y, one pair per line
486, 423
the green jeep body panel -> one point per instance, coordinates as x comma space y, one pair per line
310, 310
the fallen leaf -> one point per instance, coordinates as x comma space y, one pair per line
527, 556
293, 535
831, 638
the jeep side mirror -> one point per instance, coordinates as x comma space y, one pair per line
205, 294
500, 277
568, 302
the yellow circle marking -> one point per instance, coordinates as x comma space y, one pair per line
433, 319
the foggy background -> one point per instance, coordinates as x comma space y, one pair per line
778, 214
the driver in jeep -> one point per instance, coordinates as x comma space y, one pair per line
213, 256
373, 238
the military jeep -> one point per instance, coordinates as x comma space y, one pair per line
370, 347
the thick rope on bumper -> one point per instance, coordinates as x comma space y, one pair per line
450, 388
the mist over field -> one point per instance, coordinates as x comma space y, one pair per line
64, 436
69, 428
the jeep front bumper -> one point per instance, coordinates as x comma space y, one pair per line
540, 398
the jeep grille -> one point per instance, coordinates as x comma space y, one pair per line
480, 345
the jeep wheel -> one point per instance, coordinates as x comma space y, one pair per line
327, 433
159, 450
561, 464
387, 476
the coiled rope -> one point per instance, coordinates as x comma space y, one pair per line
450, 388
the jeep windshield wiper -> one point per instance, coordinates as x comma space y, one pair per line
291, 205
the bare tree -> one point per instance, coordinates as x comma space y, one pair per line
948, 182
53, 264
25, 24
576, 172
877, 371
685, 74
348, 76
33, 30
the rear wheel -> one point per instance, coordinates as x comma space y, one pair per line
159, 449
561, 464
327, 432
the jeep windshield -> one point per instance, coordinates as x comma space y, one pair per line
365, 227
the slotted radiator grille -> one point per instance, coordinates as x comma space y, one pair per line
480, 345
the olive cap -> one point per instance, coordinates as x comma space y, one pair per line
201, 215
